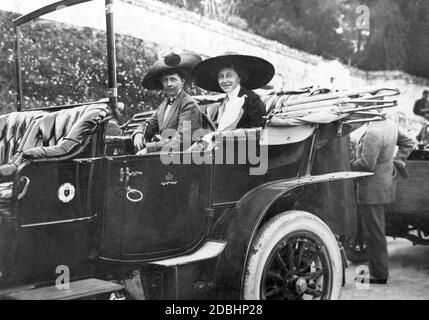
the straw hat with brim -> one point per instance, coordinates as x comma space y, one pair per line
169, 63
258, 71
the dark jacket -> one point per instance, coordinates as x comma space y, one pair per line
184, 117
420, 105
253, 110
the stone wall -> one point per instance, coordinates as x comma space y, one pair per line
177, 29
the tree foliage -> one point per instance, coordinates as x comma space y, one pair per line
387, 44
63, 64
398, 38
309, 25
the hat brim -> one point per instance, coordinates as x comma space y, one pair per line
152, 80
259, 71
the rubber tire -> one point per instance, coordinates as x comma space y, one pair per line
274, 231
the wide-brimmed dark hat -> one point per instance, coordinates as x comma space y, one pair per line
258, 71
171, 62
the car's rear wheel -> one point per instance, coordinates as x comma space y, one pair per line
294, 256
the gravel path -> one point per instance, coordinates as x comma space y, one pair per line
409, 275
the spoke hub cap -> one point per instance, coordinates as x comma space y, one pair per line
301, 285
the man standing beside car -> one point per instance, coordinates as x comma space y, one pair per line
421, 104
375, 153
178, 112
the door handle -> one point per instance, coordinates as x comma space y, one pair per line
124, 175
134, 195
24, 190
134, 173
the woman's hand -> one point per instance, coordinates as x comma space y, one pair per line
139, 141
142, 152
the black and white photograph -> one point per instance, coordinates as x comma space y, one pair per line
214, 154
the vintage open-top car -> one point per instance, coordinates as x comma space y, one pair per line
77, 202
407, 216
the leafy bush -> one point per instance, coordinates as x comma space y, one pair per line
62, 64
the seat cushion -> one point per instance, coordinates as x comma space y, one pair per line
13, 127
6, 190
60, 133
46, 135
5, 199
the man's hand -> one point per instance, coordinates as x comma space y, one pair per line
139, 141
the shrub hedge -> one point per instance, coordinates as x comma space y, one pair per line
62, 64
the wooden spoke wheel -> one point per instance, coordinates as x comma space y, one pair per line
294, 257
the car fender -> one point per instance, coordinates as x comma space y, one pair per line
239, 227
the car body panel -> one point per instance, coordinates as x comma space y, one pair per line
170, 217
239, 225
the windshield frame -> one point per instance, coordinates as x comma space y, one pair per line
112, 90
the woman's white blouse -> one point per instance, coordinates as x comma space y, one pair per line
231, 110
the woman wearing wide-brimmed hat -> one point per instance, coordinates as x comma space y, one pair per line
170, 74
235, 75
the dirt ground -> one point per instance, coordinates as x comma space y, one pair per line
409, 275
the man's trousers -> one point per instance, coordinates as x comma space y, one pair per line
374, 232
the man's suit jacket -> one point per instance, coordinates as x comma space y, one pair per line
419, 105
253, 110
184, 116
375, 153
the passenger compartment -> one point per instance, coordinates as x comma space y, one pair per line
45, 193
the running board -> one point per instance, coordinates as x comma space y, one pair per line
78, 289
187, 277
208, 250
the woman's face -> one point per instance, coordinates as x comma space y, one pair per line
172, 84
228, 79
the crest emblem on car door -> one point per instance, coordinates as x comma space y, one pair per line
66, 192
169, 179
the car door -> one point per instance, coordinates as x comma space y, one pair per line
57, 218
154, 209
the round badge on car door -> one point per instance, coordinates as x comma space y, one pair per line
66, 192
